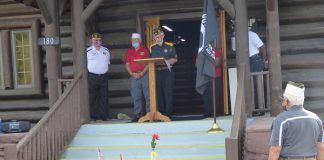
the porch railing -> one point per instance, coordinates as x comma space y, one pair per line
260, 91
234, 143
49, 137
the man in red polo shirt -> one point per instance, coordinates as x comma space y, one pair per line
138, 74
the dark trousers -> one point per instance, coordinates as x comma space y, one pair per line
164, 91
208, 97
98, 93
256, 65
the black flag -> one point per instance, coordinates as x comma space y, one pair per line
206, 57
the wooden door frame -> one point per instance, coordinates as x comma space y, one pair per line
186, 14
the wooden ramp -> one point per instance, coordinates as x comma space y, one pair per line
179, 140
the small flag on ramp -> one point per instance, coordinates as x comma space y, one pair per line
100, 154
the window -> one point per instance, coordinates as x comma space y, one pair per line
20, 59
22, 48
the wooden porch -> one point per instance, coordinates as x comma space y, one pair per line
300, 56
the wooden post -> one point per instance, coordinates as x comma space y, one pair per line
79, 56
228, 7
10, 152
45, 11
154, 114
273, 50
53, 52
92, 7
6, 60
242, 50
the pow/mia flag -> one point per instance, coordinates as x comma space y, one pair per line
206, 57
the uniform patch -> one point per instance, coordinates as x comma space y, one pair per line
89, 49
165, 50
142, 53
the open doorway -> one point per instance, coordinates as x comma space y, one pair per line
185, 37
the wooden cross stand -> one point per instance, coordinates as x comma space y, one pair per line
154, 114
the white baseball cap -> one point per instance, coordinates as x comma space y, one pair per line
136, 35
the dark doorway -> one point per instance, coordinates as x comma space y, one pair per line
185, 37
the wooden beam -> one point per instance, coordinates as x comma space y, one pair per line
92, 7
7, 61
242, 50
90, 25
79, 56
46, 14
53, 53
62, 6
273, 51
228, 7
28, 2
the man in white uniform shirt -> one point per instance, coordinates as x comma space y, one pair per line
258, 61
98, 59
257, 53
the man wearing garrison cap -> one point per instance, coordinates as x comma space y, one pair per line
164, 75
296, 134
138, 74
98, 59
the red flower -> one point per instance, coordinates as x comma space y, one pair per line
155, 136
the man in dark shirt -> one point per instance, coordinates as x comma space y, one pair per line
296, 134
164, 75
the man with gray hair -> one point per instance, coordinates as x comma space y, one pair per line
138, 74
296, 134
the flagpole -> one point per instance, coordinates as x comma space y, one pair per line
215, 128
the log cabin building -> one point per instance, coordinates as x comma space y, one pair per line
30, 74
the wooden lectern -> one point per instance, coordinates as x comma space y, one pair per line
154, 114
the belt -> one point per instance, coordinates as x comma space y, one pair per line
297, 157
255, 55
161, 68
98, 75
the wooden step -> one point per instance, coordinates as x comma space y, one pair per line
27, 104
23, 115
9, 138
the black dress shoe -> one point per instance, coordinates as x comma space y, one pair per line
208, 115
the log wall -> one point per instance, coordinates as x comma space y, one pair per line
301, 32
302, 48
30, 108
302, 45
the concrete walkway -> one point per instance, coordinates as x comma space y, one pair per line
179, 140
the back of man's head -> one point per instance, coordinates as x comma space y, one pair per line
295, 93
